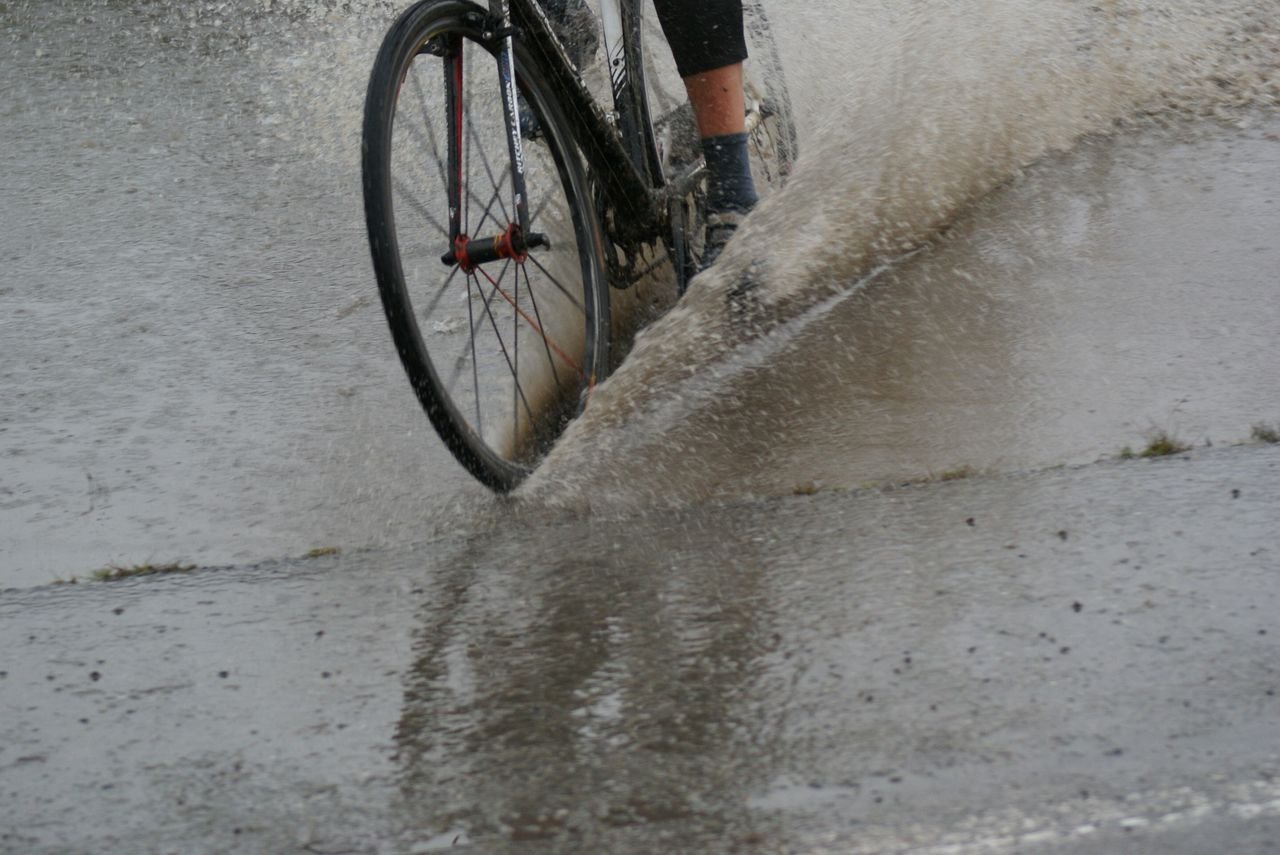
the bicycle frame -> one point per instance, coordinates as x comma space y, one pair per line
619, 147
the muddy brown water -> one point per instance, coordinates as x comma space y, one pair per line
1105, 296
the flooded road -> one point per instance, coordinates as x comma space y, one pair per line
842, 558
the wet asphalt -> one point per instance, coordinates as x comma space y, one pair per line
1079, 659
886, 588
196, 368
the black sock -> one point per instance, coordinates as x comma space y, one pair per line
729, 183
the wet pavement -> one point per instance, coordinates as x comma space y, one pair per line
198, 363
197, 369
1083, 656
873, 580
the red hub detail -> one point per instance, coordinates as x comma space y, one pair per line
470, 254
460, 254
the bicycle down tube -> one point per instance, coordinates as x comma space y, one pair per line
626, 186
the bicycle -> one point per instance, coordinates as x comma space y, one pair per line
481, 257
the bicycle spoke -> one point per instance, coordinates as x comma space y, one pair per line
487, 208
537, 328
418, 207
475, 324
431, 307
475, 364
537, 212
556, 282
488, 168
519, 390
538, 316
426, 120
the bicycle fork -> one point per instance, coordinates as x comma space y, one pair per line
516, 240
619, 169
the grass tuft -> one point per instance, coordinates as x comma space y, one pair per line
1262, 432
115, 572
1163, 445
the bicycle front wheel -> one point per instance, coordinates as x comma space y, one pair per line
502, 349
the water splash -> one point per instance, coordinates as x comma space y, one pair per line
909, 115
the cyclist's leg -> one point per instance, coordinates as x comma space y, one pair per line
709, 46
717, 99
703, 34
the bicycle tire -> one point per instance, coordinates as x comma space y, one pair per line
560, 305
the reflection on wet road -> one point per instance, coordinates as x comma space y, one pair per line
985, 663
776, 663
